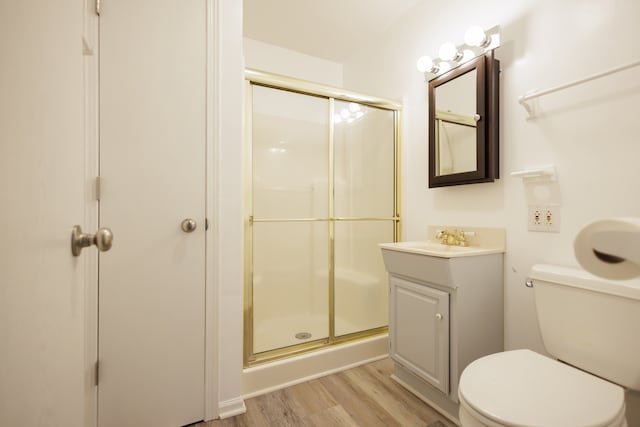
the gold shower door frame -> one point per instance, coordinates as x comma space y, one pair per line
260, 78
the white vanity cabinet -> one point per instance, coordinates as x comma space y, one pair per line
446, 310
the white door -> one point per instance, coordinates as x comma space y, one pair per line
43, 288
152, 168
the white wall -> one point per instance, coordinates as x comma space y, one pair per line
278, 60
588, 132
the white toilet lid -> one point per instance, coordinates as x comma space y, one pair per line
521, 388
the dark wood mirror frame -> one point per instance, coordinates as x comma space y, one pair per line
487, 126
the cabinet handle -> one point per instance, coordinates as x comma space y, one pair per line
439, 316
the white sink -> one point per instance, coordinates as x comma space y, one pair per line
436, 249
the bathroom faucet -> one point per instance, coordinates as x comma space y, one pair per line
452, 238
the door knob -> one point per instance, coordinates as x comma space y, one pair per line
188, 225
439, 316
103, 239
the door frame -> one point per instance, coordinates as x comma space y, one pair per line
212, 240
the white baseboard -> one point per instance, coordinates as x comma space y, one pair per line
231, 408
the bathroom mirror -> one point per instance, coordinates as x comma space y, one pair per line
463, 124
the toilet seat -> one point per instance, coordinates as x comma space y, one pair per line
521, 388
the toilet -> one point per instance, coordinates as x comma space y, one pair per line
590, 325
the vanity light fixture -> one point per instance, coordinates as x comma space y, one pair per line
475, 36
425, 64
477, 42
449, 52
444, 66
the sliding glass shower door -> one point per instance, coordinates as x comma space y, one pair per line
290, 208
323, 189
364, 181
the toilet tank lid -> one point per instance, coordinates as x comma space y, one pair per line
579, 278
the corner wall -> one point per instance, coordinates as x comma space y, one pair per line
588, 132
275, 59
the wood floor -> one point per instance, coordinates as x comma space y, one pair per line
365, 396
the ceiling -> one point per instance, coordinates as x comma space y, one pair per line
329, 29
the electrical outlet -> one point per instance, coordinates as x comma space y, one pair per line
537, 217
551, 218
544, 218
534, 218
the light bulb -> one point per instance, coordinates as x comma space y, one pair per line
444, 67
424, 64
449, 52
467, 55
475, 36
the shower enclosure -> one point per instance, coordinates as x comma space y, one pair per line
322, 193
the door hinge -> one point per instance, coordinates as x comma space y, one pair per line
97, 372
98, 188
98, 7
206, 223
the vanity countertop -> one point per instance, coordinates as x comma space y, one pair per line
436, 249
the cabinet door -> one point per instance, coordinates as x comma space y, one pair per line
419, 331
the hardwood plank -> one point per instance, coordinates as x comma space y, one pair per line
310, 397
335, 416
381, 373
364, 396
280, 411
403, 411
357, 404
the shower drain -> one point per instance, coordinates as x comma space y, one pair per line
303, 335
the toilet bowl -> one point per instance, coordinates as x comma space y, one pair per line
588, 323
521, 388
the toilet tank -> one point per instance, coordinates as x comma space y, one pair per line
590, 323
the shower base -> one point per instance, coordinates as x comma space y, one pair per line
272, 334
283, 373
